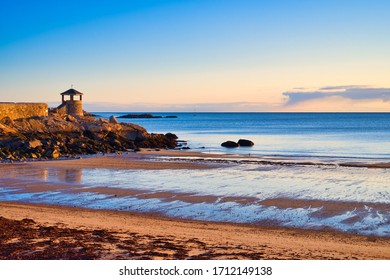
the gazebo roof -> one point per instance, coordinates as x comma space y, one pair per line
71, 91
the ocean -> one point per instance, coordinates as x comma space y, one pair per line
280, 191
339, 135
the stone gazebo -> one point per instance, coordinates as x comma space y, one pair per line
71, 106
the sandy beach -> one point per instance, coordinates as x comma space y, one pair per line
49, 232
41, 231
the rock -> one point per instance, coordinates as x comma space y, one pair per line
245, 143
229, 144
52, 153
70, 118
113, 120
5, 129
35, 143
7, 121
171, 136
88, 114
12, 143
93, 127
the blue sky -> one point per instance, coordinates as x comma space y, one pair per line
165, 55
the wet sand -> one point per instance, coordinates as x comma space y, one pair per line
51, 232
124, 161
32, 231
193, 160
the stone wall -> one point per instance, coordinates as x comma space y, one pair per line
62, 109
22, 110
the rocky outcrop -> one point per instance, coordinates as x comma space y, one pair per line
66, 136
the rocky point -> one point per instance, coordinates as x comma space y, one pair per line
67, 136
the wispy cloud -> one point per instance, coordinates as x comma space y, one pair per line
350, 92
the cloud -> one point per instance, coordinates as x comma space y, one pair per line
341, 87
346, 92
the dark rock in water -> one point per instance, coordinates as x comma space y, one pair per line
171, 117
245, 143
229, 144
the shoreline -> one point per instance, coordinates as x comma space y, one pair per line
266, 241
126, 235
197, 159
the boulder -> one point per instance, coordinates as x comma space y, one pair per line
52, 154
171, 136
245, 143
229, 144
8, 121
5, 129
113, 120
34, 143
70, 118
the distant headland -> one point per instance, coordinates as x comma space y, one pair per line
145, 116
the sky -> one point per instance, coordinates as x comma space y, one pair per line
202, 55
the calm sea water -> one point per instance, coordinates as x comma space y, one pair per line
362, 135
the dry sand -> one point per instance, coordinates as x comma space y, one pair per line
51, 232
66, 232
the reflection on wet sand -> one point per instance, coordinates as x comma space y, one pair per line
70, 175
41, 173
